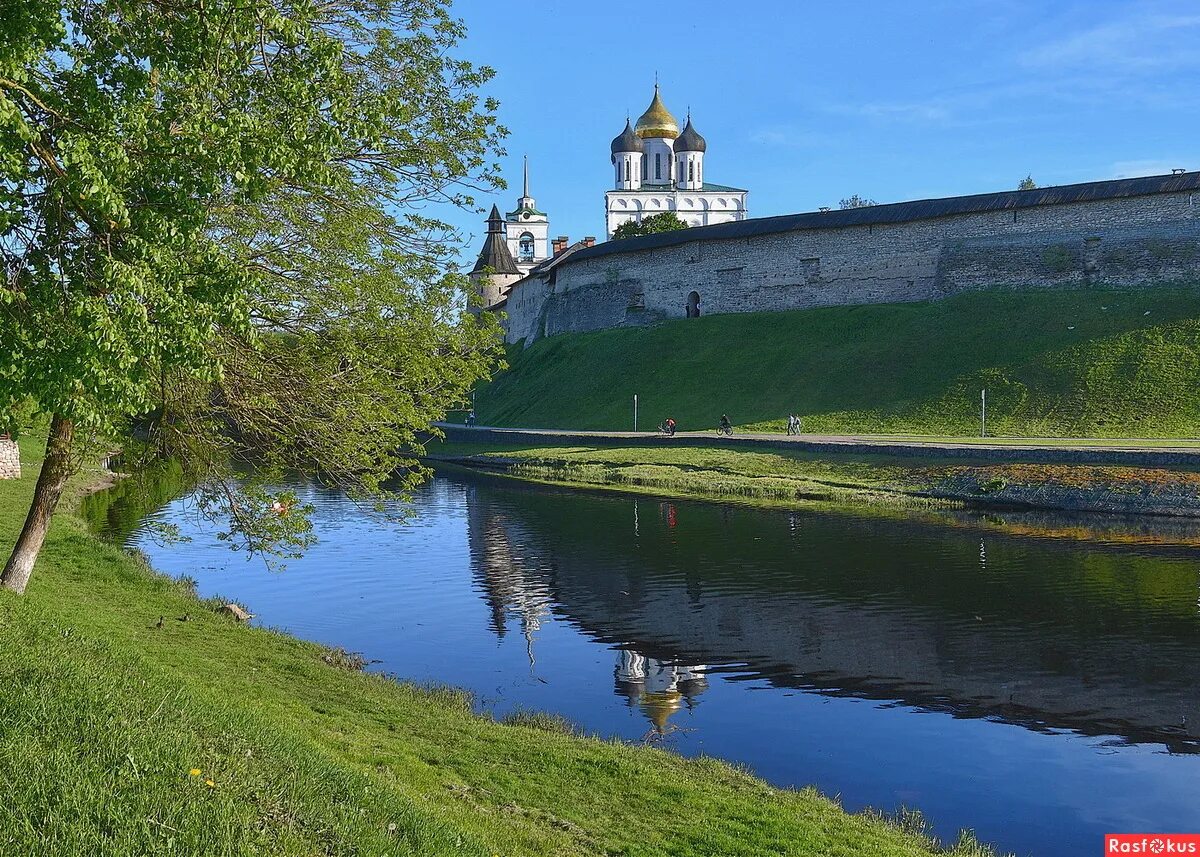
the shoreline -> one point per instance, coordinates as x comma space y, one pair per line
804, 479
293, 743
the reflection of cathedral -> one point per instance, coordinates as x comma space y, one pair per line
659, 688
515, 585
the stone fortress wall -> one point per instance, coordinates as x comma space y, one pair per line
10, 458
1129, 232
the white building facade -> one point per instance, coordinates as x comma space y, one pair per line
657, 168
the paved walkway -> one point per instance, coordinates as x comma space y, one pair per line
1131, 451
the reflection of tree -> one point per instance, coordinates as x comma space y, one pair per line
659, 688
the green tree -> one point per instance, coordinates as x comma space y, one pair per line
666, 221
211, 213
855, 201
1027, 183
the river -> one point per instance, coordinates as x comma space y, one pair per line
1032, 678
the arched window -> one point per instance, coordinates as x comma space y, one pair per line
658, 165
645, 166
691, 171
525, 248
621, 170
693, 305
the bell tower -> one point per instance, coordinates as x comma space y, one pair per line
528, 230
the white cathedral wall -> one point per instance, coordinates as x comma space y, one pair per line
694, 208
660, 147
627, 170
691, 180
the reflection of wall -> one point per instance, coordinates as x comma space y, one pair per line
1038, 634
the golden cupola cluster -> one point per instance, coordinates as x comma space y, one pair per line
657, 121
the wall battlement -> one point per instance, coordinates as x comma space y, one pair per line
1124, 233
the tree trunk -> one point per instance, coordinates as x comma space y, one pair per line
56, 470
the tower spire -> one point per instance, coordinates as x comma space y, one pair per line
527, 175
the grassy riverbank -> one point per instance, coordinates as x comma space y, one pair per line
203, 736
806, 478
1082, 363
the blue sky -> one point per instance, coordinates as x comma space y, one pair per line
807, 103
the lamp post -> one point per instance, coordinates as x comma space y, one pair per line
635, 412
983, 413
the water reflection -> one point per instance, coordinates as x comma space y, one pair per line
1032, 677
1101, 641
658, 688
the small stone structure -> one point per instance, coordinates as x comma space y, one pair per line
10, 458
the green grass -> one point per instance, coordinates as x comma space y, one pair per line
1082, 363
104, 716
785, 476
800, 478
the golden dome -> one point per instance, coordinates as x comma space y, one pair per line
660, 705
657, 121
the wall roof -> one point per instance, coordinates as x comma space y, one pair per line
900, 212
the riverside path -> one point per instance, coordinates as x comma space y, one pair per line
1133, 452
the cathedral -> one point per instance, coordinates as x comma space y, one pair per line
657, 168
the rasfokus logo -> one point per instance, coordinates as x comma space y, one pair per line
1152, 843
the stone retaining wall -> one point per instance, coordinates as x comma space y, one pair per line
1126, 241
10, 458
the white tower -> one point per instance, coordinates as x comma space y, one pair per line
627, 152
527, 230
657, 128
689, 158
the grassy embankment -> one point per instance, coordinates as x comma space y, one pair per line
1083, 363
207, 737
705, 472
803, 478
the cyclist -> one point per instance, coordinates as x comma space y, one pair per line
670, 427
725, 426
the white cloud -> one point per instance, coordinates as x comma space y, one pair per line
913, 112
901, 111
788, 137
1150, 167
1137, 42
